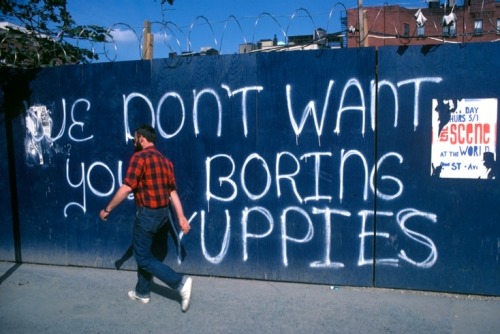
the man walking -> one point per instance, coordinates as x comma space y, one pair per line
150, 176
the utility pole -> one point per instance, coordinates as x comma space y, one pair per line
147, 41
361, 24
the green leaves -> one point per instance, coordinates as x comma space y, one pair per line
43, 33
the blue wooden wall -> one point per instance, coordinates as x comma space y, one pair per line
7, 249
286, 163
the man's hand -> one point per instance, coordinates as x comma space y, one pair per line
184, 224
104, 215
119, 197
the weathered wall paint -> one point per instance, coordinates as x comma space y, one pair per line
287, 163
466, 233
7, 249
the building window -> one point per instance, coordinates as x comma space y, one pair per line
450, 31
453, 30
478, 27
406, 30
421, 31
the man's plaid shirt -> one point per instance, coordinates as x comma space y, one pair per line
151, 177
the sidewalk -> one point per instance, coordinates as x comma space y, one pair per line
51, 299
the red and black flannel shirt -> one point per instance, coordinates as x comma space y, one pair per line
151, 177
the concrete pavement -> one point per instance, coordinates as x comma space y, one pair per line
53, 299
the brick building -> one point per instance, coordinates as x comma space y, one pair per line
450, 22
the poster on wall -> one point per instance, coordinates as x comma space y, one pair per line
464, 137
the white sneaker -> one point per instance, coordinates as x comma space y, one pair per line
185, 292
132, 295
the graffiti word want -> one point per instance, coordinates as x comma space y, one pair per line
334, 101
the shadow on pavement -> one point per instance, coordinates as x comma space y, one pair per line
9, 272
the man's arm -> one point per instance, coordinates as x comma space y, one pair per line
119, 197
176, 202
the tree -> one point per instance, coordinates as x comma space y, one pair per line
43, 33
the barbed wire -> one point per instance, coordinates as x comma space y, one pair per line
186, 33
178, 40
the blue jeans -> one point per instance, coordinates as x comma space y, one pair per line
147, 223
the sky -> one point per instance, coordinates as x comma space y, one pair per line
190, 25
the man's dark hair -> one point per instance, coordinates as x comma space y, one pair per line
147, 132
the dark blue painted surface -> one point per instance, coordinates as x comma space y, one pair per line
466, 229
268, 196
284, 237
7, 252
